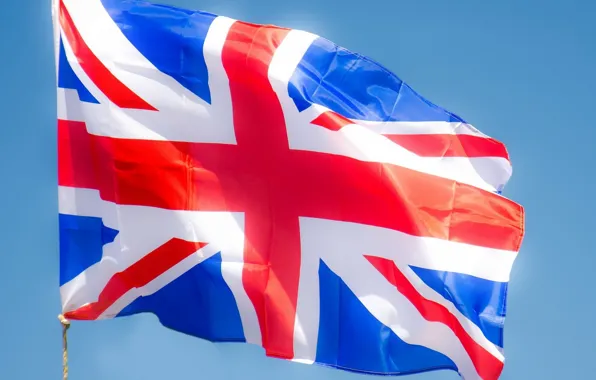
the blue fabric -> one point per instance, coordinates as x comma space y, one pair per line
351, 338
170, 38
198, 303
357, 87
480, 300
68, 79
81, 243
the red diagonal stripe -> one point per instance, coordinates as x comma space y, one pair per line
428, 145
115, 90
331, 121
137, 275
488, 366
436, 145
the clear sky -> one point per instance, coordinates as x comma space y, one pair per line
521, 71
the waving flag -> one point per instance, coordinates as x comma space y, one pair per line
258, 184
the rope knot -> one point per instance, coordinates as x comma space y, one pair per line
65, 322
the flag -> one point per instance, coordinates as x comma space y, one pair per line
258, 184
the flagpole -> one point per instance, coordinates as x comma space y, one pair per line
65, 325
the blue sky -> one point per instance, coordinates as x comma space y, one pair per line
523, 72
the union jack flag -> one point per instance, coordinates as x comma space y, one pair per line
258, 184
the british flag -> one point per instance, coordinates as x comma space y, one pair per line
257, 184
